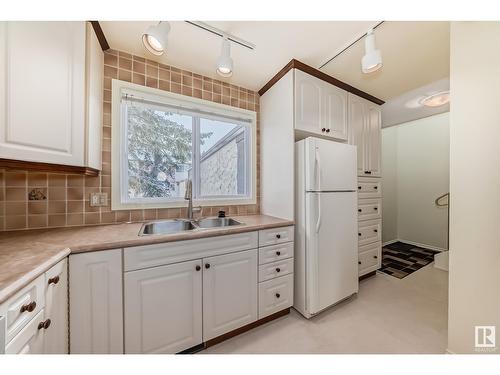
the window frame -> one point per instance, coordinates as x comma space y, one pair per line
198, 107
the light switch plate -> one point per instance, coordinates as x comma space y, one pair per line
98, 199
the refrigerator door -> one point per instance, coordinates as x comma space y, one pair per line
331, 249
330, 166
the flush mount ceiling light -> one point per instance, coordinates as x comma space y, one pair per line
224, 62
156, 37
436, 100
372, 60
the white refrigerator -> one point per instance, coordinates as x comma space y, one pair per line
326, 243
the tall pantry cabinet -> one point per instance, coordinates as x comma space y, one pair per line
304, 102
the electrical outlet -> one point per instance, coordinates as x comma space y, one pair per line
98, 199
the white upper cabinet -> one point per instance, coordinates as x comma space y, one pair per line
365, 133
320, 108
43, 92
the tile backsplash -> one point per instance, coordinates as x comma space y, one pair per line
40, 200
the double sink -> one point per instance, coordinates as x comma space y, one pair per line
183, 225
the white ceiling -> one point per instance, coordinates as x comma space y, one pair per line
277, 42
414, 54
406, 107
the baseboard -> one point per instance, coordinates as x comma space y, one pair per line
430, 247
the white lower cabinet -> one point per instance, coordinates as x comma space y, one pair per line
163, 308
96, 310
275, 295
30, 340
229, 292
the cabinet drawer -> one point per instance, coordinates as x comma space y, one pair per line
270, 254
369, 231
369, 187
275, 235
275, 295
30, 339
140, 257
17, 309
276, 269
370, 259
369, 209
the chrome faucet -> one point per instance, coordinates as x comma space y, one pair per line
188, 195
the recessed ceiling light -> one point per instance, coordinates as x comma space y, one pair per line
156, 37
372, 60
436, 100
224, 62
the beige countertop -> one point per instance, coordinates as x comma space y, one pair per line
24, 255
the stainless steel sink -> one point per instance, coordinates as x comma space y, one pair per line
215, 222
166, 227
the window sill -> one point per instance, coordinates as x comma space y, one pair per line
117, 206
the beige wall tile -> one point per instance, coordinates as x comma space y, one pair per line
56, 207
37, 179
15, 222
74, 219
37, 221
15, 208
37, 207
16, 194
15, 179
57, 220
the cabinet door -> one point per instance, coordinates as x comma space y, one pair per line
229, 292
374, 139
163, 308
30, 339
334, 111
96, 311
42, 91
56, 309
357, 130
307, 103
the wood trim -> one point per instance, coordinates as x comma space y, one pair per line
100, 35
369, 274
296, 64
47, 167
248, 327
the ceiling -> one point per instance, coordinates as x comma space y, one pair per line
277, 42
406, 107
414, 54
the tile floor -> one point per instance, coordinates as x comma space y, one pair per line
388, 315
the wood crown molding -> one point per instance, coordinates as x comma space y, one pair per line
100, 35
296, 64
46, 167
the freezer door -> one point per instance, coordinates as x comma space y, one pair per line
331, 249
330, 166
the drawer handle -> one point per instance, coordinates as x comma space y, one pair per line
375, 230
278, 295
53, 280
375, 187
278, 270
328, 130
359, 187
278, 253
29, 307
198, 268
375, 208
376, 257
359, 234
359, 262
278, 236
359, 210
368, 172
45, 324
207, 265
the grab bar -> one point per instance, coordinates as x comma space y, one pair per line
436, 202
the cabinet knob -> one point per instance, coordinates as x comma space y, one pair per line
375, 208
359, 262
278, 295
45, 324
278, 269
359, 210
359, 187
278, 253
53, 280
198, 268
278, 236
376, 257
328, 130
323, 129
368, 172
375, 230
207, 265
29, 307
359, 234
375, 187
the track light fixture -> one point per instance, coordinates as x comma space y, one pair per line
372, 60
224, 62
155, 38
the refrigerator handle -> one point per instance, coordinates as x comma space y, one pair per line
318, 223
318, 164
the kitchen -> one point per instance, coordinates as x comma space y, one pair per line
151, 206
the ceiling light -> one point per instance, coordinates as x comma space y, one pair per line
224, 62
372, 60
155, 38
436, 100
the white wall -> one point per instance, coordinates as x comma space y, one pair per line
474, 276
414, 174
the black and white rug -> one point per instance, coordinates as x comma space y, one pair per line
401, 259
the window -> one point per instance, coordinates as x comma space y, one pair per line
162, 140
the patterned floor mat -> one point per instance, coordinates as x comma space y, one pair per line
401, 259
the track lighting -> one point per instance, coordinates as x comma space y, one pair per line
372, 60
156, 37
224, 62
